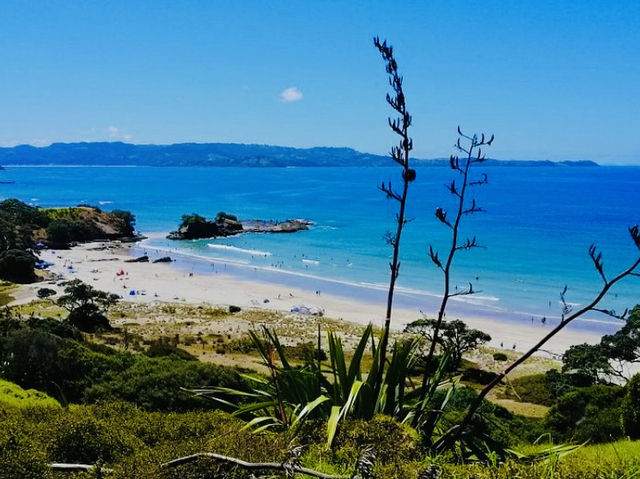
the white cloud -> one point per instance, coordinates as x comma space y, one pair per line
291, 94
116, 133
113, 131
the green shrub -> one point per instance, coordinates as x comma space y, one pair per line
155, 384
493, 422
591, 413
163, 349
630, 409
500, 357
306, 352
392, 440
244, 344
80, 437
478, 376
533, 389
46, 293
19, 457
34, 356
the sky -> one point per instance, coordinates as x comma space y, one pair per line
551, 79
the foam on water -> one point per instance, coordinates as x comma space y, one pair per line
234, 249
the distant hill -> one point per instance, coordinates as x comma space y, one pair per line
215, 154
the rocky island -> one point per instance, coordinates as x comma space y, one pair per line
195, 226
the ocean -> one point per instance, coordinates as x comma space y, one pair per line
536, 231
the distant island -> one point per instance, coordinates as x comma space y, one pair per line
195, 226
219, 155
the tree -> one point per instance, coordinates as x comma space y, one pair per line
17, 223
623, 347
586, 361
631, 409
455, 337
17, 266
44, 293
63, 232
193, 219
610, 357
87, 306
128, 219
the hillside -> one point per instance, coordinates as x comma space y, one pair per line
21, 225
215, 154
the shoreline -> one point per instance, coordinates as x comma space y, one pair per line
98, 264
477, 305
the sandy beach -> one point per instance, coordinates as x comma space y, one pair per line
102, 265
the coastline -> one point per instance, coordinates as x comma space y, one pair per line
195, 281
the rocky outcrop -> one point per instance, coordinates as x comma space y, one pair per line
141, 259
164, 259
288, 226
197, 227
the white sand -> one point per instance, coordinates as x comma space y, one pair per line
164, 282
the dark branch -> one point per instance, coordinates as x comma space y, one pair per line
596, 257
442, 216
612, 313
456, 432
435, 258
249, 466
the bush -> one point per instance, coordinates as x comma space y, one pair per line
46, 293
164, 349
62, 232
493, 423
478, 376
156, 384
33, 356
391, 440
17, 266
630, 409
19, 457
591, 413
500, 357
244, 344
533, 389
89, 318
307, 352
80, 437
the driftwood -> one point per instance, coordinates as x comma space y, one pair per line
60, 466
251, 466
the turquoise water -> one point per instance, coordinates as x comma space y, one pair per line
537, 229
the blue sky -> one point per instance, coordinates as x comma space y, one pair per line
551, 79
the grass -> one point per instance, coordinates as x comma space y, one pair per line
616, 460
134, 443
12, 395
42, 308
5, 293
